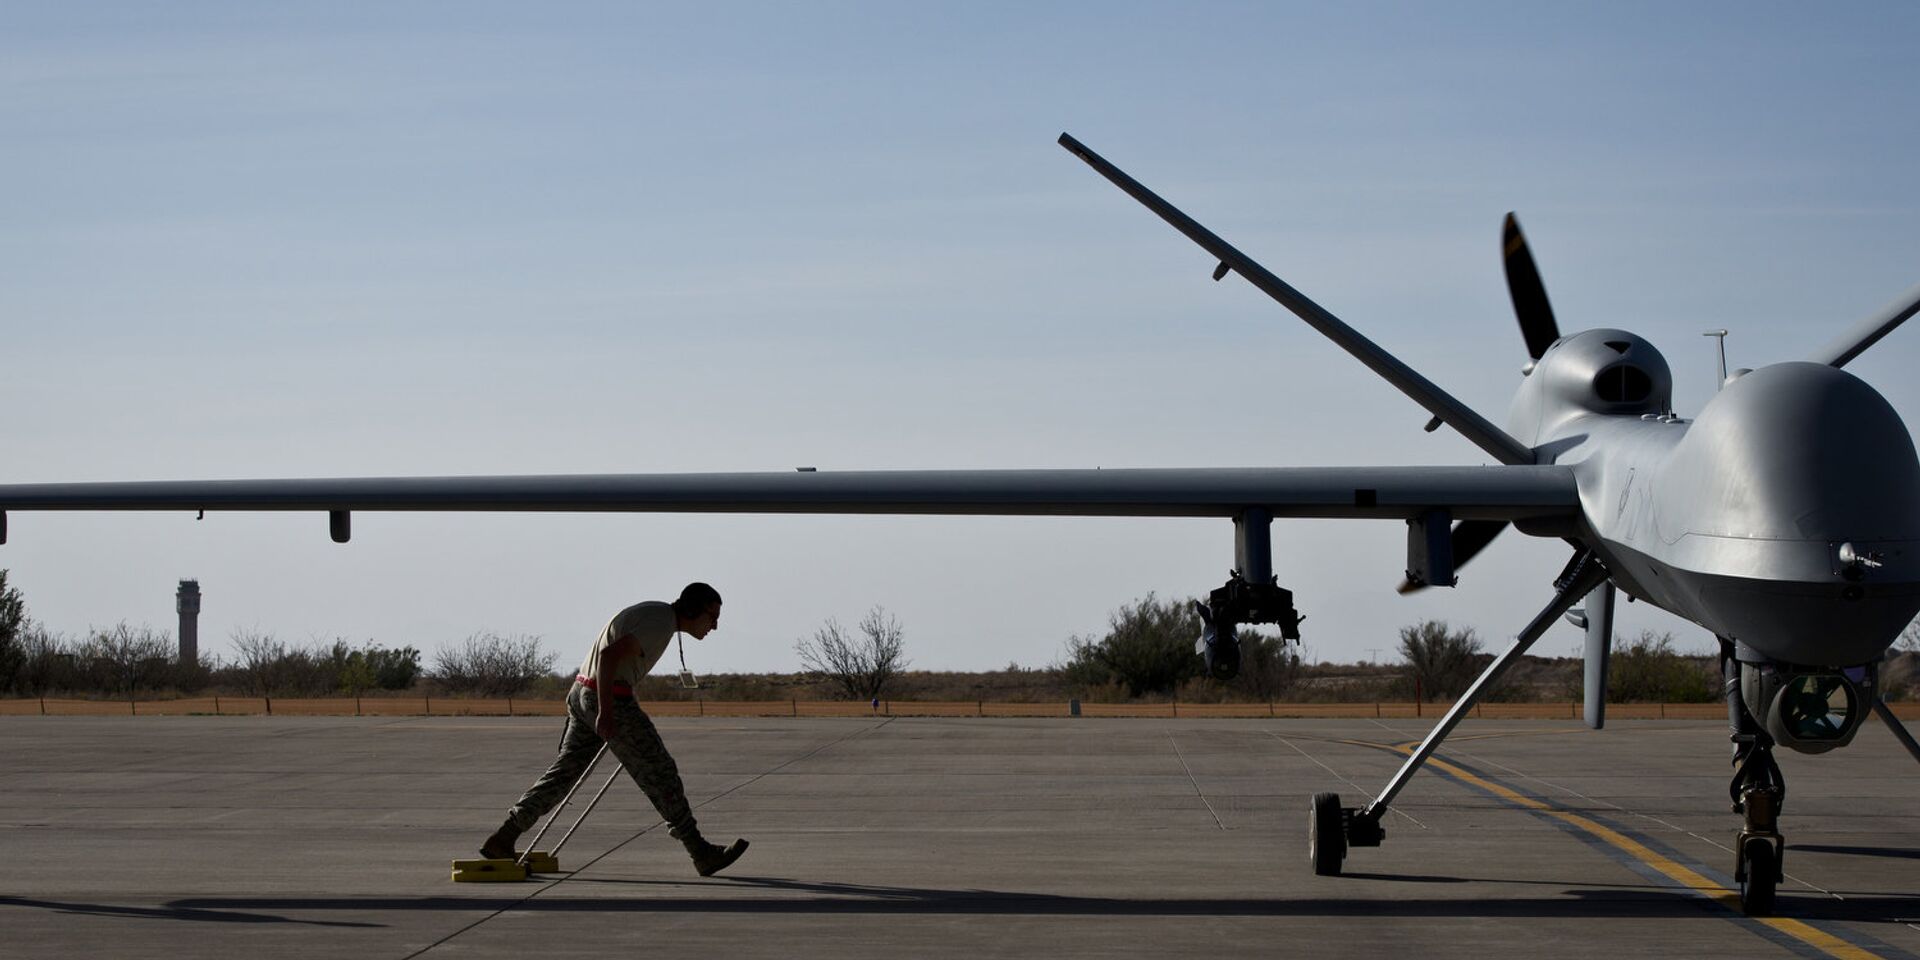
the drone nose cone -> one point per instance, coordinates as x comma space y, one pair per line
1783, 467
1798, 451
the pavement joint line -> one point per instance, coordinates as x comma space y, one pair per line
1681, 874
643, 831
1191, 779
1296, 748
1495, 735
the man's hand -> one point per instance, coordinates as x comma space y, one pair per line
603, 723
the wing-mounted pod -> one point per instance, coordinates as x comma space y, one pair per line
1251, 595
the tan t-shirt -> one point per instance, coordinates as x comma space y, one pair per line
651, 624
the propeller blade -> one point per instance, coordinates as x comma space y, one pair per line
1469, 538
1529, 294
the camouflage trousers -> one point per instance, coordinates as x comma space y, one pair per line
635, 744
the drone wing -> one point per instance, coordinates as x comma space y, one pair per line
1445, 407
1472, 493
1868, 331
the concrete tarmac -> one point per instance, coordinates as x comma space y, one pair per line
327, 837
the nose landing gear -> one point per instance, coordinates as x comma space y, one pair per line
1758, 790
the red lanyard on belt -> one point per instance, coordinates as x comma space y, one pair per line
619, 689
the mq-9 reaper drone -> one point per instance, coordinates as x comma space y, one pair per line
1785, 518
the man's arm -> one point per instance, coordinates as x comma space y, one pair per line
615, 654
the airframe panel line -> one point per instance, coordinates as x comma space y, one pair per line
1842, 945
643, 831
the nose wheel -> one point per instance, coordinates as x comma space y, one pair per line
1759, 850
1757, 868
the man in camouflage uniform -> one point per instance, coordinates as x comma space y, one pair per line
601, 709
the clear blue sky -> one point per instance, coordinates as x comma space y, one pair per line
243, 240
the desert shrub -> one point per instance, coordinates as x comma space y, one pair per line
371, 667
1648, 670
46, 662
492, 665
13, 627
121, 659
862, 668
265, 665
1444, 661
1148, 648
1269, 666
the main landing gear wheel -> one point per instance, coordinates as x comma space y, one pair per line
1326, 835
1762, 863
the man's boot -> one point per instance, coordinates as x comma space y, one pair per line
500, 845
711, 858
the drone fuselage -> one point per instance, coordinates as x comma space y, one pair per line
1785, 517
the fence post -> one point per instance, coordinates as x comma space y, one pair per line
43, 704
980, 708
131, 712
796, 706
429, 699
703, 706
216, 704
356, 704
269, 701
1176, 706
1376, 709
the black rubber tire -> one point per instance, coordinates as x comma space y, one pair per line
1326, 835
1763, 871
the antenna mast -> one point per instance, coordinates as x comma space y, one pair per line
1721, 336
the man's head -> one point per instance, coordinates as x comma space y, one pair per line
698, 610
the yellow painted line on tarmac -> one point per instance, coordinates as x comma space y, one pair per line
1812, 936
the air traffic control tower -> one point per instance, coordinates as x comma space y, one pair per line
187, 601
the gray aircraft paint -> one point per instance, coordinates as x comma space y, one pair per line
1734, 520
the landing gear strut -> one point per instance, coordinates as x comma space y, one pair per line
1334, 829
1758, 790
